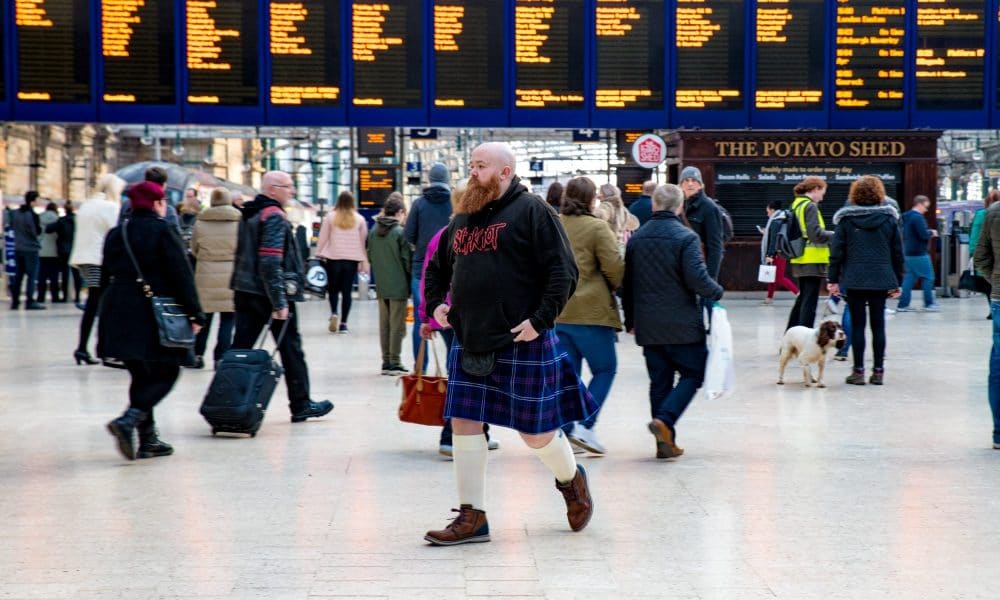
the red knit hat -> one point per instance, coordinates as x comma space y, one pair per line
143, 195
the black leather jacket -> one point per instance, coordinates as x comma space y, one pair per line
267, 261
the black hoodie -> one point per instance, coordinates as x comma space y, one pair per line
508, 262
867, 249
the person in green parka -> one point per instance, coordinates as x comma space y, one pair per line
390, 256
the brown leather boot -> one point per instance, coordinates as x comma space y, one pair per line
579, 505
665, 446
469, 526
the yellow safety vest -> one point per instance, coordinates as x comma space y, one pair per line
814, 253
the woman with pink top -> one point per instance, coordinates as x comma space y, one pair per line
341, 249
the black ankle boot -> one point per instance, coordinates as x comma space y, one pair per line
124, 429
150, 444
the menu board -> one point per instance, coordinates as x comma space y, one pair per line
870, 54
53, 50
468, 54
138, 51
629, 54
549, 38
374, 185
789, 70
386, 50
709, 40
304, 45
222, 56
950, 62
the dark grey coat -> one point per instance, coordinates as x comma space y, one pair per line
664, 272
867, 249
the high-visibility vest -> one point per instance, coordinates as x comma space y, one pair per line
813, 253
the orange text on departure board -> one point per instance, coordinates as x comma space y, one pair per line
872, 35
31, 13
938, 63
204, 38
287, 40
448, 25
695, 28
615, 18
369, 39
771, 25
531, 26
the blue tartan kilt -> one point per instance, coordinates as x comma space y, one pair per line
533, 388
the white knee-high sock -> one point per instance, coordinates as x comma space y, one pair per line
470, 453
557, 455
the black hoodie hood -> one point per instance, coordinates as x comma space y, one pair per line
866, 217
436, 194
259, 203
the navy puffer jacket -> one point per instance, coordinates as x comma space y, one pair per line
867, 249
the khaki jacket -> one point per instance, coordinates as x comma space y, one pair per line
213, 245
601, 270
987, 252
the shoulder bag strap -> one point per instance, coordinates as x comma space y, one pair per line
148, 291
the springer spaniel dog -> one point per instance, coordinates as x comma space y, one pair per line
811, 346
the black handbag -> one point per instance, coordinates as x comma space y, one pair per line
973, 283
172, 322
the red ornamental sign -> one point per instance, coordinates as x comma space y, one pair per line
649, 151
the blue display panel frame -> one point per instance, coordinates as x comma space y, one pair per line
702, 118
222, 114
993, 70
8, 54
304, 115
52, 112
552, 117
116, 112
790, 118
632, 118
396, 117
461, 117
951, 119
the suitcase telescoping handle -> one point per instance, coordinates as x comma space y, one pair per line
263, 336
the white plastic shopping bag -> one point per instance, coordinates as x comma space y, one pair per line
720, 372
767, 273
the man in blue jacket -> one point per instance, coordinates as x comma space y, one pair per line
917, 261
27, 244
664, 276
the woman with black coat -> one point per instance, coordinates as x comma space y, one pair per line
127, 331
866, 265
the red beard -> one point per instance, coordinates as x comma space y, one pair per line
477, 195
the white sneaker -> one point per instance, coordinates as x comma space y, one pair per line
831, 307
889, 311
904, 309
932, 308
586, 439
493, 445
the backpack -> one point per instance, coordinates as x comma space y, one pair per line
727, 224
789, 241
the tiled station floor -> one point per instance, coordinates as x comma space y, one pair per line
784, 492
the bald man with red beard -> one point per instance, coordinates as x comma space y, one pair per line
510, 270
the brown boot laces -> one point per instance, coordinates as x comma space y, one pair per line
568, 490
463, 515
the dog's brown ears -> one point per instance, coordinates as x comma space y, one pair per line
827, 332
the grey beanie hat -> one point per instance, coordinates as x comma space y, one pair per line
439, 174
692, 173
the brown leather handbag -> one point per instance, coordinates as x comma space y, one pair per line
424, 396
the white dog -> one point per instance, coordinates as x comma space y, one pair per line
811, 346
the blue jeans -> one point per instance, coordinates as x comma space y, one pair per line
415, 294
596, 345
845, 322
668, 401
918, 268
994, 379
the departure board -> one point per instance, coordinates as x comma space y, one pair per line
304, 46
870, 54
468, 54
789, 73
374, 185
709, 39
549, 38
222, 53
386, 50
629, 54
53, 50
950, 62
376, 141
137, 47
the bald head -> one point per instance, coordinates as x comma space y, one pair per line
492, 161
278, 185
498, 153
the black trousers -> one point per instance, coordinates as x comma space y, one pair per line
223, 340
339, 282
48, 278
65, 272
89, 314
252, 314
26, 266
804, 310
151, 382
857, 301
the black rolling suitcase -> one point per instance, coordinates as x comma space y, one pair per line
242, 389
